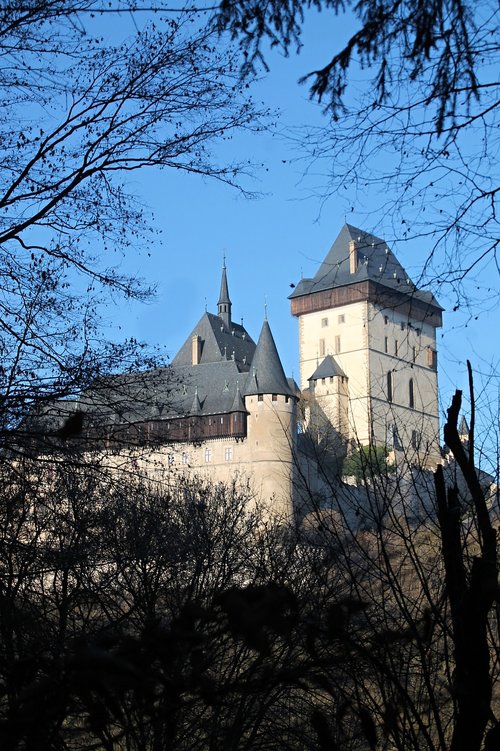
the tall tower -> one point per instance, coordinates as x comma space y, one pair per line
364, 316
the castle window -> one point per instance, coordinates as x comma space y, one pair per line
208, 455
170, 459
222, 421
414, 354
415, 439
402, 325
386, 320
228, 453
431, 358
287, 399
324, 322
396, 347
260, 397
386, 344
322, 349
331, 379
323, 381
341, 318
274, 397
411, 394
389, 386
185, 457
337, 345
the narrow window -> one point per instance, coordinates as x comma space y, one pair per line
331, 379
415, 439
396, 347
323, 381
389, 386
402, 325
222, 421
414, 354
342, 318
208, 455
185, 457
324, 322
322, 347
431, 358
411, 394
274, 397
260, 398
337, 345
386, 320
228, 453
386, 344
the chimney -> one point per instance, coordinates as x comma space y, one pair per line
353, 257
196, 349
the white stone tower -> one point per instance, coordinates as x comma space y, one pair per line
363, 319
271, 403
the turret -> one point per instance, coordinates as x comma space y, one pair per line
271, 402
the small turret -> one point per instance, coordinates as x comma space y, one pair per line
224, 303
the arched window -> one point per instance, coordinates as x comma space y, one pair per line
411, 394
389, 386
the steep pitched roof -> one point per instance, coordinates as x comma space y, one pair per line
224, 291
375, 262
267, 375
218, 342
327, 368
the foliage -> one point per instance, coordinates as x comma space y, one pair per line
366, 462
161, 612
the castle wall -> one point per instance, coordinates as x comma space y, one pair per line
264, 459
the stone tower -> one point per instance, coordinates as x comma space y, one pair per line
271, 403
367, 347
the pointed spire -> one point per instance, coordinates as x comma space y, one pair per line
268, 376
224, 303
196, 406
238, 403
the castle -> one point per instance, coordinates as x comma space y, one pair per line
225, 409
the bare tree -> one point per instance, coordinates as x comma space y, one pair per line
423, 126
79, 114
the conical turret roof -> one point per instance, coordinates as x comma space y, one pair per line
266, 373
224, 290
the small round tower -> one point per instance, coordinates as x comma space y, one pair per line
271, 402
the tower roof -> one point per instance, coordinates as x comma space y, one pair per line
267, 375
373, 261
224, 291
218, 341
327, 368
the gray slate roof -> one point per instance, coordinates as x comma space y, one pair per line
266, 374
376, 262
327, 368
218, 342
224, 291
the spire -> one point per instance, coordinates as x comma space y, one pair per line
196, 405
267, 375
224, 304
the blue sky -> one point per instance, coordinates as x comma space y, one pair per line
269, 242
